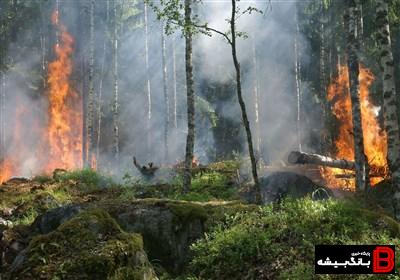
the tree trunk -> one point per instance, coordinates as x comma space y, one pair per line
148, 84
2, 99
83, 74
174, 110
2, 113
298, 86
187, 177
326, 144
100, 94
166, 97
90, 101
360, 24
243, 105
115, 76
256, 105
389, 99
361, 163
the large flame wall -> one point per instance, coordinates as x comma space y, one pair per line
59, 139
374, 137
64, 131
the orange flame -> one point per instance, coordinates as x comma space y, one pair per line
60, 140
375, 146
7, 170
64, 131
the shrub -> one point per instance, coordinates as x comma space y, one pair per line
279, 244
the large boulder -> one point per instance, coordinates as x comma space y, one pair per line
89, 246
279, 185
169, 227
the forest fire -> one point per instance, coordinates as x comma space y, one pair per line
374, 137
64, 131
59, 143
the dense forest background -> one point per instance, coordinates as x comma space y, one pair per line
308, 36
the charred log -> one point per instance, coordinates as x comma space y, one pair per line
296, 157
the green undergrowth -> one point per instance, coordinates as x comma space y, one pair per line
216, 182
87, 178
278, 242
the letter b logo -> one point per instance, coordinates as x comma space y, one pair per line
383, 259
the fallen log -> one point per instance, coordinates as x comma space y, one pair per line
296, 157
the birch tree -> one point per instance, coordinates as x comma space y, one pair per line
90, 102
174, 102
100, 93
389, 98
165, 90
362, 169
187, 178
115, 78
148, 84
297, 78
256, 97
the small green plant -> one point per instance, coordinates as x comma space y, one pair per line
279, 244
88, 179
42, 179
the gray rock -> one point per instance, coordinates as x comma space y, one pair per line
287, 184
166, 236
50, 220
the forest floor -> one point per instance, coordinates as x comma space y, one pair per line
83, 225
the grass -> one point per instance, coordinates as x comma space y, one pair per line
87, 177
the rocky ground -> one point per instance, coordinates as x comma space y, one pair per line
82, 225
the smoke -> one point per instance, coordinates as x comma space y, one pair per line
271, 35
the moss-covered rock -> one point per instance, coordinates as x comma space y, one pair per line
169, 227
89, 246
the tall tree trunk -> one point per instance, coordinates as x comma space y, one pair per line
2, 98
83, 75
2, 113
115, 77
256, 105
174, 110
243, 105
43, 47
360, 24
100, 94
90, 101
389, 99
187, 178
148, 84
326, 135
166, 97
298, 86
362, 169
